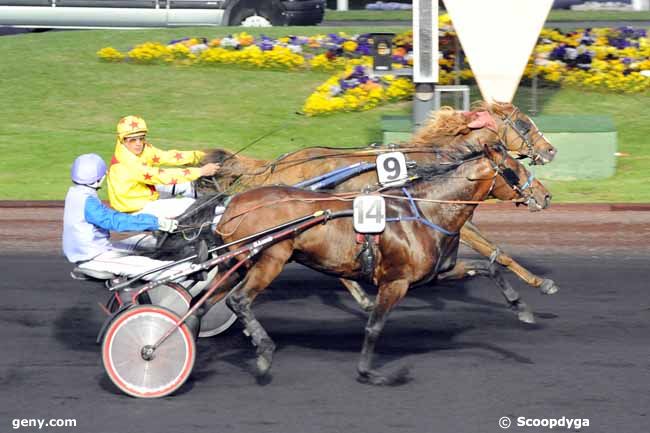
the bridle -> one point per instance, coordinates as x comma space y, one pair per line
511, 178
523, 129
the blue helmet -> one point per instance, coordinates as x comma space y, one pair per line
88, 169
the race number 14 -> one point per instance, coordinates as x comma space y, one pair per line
391, 168
369, 214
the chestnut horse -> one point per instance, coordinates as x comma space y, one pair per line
488, 124
408, 251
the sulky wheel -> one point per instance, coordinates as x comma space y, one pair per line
131, 365
172, 296
217, 320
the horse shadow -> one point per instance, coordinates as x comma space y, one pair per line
410, 335
434, 296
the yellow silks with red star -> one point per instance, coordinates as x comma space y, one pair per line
132, 178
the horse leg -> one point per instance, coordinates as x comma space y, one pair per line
472, 237
358, 294
267, 268
389, 294
465, 268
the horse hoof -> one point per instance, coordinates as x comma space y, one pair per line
549, 287
395, 378
526, 317
265, 357
372, 379
263, 366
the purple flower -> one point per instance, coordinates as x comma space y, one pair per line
336, 39
175, 41
626, 30
364, 50
266, 45
300, 40
619, 43
558, 53
348, 84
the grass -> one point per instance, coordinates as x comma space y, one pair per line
631, 119
555, 15
59, 101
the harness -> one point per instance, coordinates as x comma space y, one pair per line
419, 218
522, 129
367, 255
335, 177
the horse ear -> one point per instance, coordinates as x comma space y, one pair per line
482, 119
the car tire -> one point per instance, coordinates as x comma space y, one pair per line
270, 11
250, 18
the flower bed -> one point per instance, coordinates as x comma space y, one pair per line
603, 59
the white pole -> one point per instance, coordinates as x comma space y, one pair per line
425, 57
341, 5
641, 5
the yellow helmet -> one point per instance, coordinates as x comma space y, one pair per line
131, 125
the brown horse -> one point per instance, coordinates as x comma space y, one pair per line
488, 124
408, 251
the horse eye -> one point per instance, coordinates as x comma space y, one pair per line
523, 126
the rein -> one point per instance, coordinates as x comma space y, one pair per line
369, 152
350, 196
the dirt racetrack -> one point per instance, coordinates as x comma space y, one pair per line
472, 363
35, 227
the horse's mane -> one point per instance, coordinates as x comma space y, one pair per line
217, 155
233, 164
497, 108
457, 158
446, 124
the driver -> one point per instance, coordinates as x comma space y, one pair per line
140, 180
87, 224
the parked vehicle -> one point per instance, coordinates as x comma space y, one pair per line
158, 13
566, 4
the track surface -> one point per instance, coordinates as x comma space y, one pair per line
471, 361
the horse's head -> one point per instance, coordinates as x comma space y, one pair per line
227, 175
514, 182
235, 173
519, 133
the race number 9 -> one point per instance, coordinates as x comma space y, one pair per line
391, 168
369, 214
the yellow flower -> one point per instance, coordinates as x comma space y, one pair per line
110, 54
350, 46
